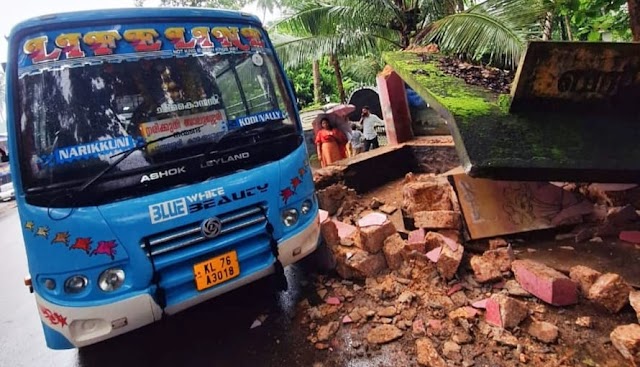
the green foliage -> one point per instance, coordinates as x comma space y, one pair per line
302, 79
495, 31
589, 18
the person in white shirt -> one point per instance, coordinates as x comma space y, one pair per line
355, 141
368, 122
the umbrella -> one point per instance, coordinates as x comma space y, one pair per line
341, 110
337, 115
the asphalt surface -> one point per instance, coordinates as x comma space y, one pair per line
215, 333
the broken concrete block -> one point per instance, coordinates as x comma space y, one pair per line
496, 243
584, 321
356, 263
418, 328
449, 261
325, 332
465, 312
514, 288
393, 248
544, 331
501, 258
634, 299
416, 241
383, 334
434, 194
505, 312
438, 219
610, 291
484, 271
330, 234
371, 239
452, 234
545, 283
428, 354
344, 230
434, 240
584, 276
388, 209
372, 219
626, 339
335, 196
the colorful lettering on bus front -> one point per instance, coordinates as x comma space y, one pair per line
69, 46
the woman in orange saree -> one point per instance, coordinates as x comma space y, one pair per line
331, 144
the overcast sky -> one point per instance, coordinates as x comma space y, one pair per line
9, 16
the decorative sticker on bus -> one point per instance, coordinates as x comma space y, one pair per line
257, 118
82, 243
134, 41
97, 149
107, 248
61, 237
294, 182
53, 317
206, 126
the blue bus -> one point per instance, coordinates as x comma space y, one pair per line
158, 161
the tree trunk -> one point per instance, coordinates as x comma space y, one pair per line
634, 17
567, 24
336, 68
316, 82
548, 26
460, 6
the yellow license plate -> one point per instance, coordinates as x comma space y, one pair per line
216, 270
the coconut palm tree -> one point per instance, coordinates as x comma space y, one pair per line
497, 28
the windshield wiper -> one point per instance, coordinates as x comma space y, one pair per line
269, 125
125, 154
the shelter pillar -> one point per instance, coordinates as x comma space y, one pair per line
395, 108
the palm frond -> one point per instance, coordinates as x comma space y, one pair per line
497, 29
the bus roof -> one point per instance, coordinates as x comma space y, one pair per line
106, 15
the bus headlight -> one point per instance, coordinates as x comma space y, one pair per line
111, 279
290, 217
75, 284
306, 206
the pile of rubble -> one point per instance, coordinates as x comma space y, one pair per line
437, 304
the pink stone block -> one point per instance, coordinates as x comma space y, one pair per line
630, 236
333, 301
372, 219
434, 255
416, 236
454, 289
482, 304
344, 230
324, 215
545, 283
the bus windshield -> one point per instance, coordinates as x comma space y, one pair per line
74, 121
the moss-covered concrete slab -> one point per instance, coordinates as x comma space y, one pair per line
537, 145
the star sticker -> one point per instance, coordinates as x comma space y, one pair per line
82, 243
61, 237
106, 248
286, 194
295, 182
302, 171
29, 226
43, 232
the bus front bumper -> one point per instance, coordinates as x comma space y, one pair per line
69, 327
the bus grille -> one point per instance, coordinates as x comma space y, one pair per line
174, 252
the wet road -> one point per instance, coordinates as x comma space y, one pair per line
216, 333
